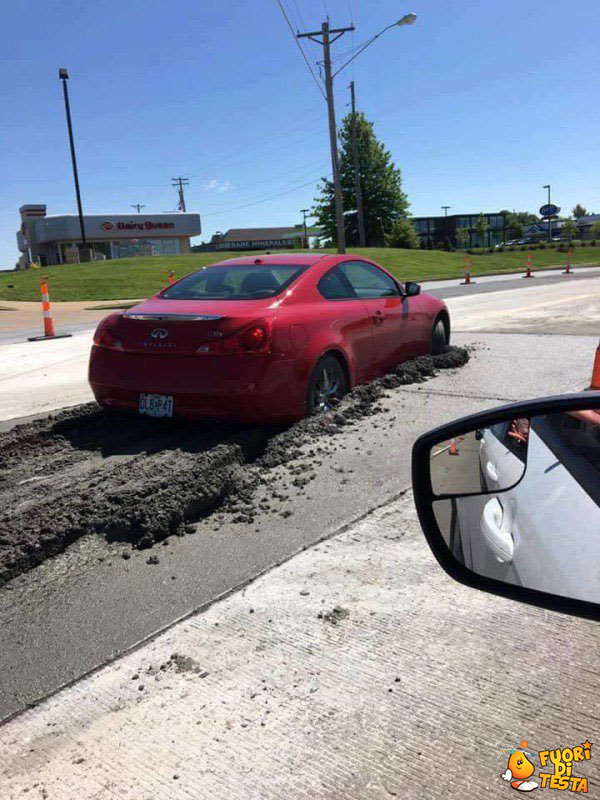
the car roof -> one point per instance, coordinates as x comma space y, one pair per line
293, 259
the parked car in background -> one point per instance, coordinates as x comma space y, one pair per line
270, 338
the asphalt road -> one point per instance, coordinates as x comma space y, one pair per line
88, 605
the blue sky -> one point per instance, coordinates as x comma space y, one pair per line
480, 103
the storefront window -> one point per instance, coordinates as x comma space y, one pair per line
124, 248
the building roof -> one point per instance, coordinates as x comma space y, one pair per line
300, 259
589, 219
258, 234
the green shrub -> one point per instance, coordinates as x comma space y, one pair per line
593, 243
490, 249
511, 249
500, 249
542, 245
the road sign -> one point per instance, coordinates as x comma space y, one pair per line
549, 210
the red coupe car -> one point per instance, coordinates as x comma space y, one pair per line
270, 338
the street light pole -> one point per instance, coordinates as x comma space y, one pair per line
547, 186
445, 210
64, 77
304, 212
323, 37
326, 41
359, 206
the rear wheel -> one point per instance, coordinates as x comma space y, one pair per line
438, 337
326, 386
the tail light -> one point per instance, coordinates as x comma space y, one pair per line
253, 338
104, 337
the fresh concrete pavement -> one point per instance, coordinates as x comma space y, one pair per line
488, 670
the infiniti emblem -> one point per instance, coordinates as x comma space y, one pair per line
159, 333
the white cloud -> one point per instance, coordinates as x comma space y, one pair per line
213, 185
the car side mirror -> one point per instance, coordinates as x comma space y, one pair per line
412, 288
509, 501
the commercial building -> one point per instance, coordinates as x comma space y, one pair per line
263, 238
433, 231
57, 239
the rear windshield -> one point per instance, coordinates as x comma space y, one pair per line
236, 282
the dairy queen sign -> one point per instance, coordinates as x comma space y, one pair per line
147, 225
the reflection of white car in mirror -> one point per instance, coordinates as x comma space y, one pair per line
518, 535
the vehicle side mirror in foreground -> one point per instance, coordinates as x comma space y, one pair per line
509, 500
412, 288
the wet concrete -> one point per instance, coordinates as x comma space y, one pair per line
89, 604
132, 480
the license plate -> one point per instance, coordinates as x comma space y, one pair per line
156, 405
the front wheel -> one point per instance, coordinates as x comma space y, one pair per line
438, 338
326, 386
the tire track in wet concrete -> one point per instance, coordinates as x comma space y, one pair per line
130, 480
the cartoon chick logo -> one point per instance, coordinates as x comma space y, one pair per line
521, 768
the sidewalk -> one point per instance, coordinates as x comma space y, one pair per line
411, 688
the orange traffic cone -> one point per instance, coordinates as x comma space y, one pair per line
453, 451
467, 279
595, 382
568, 270
171, 276
49, 332
528, 273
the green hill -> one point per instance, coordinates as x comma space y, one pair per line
132, 278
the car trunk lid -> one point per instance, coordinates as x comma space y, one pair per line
179, 327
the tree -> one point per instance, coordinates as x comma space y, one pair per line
595, 230
579, 211
569, 229
481, 227
403, 234
514, 227
384, 202
462, 238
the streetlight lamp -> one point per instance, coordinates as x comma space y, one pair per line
323, 37
547, 186
64, 77
445, 210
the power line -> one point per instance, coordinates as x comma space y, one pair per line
246, 148
316, 80
264, 200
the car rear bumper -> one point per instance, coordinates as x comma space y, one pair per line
253, 388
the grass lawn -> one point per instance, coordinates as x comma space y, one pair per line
131, 278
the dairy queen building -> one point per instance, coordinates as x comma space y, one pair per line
48, 240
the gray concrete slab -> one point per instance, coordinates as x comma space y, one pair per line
75, 612
418, 691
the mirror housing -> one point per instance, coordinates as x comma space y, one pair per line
492, 526
412, 288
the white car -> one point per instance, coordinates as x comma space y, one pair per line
515, 535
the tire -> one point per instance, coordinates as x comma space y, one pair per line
438, 337
326, 385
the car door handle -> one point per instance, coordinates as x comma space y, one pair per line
491, 471
498, 539
378, 317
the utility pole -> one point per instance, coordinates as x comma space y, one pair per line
325, 40
64, 77
547, 186
304, 212
445, 210
179, 183
138, 206
362, 241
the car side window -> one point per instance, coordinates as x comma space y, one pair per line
368, 281
515, 446
335, 286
